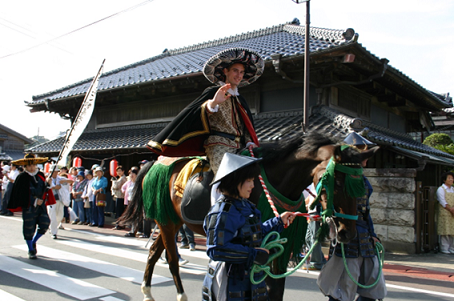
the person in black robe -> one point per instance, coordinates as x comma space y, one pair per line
30, 193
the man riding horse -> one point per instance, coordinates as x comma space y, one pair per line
219, 120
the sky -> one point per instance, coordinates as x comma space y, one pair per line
49, 44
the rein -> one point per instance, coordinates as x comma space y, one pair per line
381, 260
270, 199
327, 182
275, 243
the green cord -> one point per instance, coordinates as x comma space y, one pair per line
276, 243
381, 259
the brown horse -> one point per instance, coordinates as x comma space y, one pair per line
289, 167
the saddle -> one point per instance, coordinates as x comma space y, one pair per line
196, 202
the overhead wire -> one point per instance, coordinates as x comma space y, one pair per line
78, 29
23, 30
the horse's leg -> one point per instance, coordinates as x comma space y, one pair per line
169, 232
153, 256
275, 286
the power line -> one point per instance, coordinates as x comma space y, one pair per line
26, 34
78, 29
17, 30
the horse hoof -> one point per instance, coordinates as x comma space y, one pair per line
146, 291
182, 297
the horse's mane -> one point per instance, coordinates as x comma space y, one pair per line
308, 142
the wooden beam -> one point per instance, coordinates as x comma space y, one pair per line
372, 88
386, 97
398, 102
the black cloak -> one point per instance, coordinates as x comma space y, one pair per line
185, 135
20, 195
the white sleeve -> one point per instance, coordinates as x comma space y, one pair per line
14, 175
212, 110
441, 196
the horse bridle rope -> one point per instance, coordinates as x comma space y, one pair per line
329, 212
270, 200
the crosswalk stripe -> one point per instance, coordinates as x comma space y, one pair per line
7, 296
96, 265
196, 254
138, 243
110, 298
58, 282
189, 268
122, 240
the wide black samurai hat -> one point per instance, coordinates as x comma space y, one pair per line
251, 60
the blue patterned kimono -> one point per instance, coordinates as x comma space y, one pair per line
234, 230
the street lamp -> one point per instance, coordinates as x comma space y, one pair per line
306, 63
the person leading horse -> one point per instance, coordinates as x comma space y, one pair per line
361, 260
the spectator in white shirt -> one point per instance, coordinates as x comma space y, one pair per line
10, 177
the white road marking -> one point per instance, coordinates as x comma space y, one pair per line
96, 265
58, 282
189, 268
417, 290
14, 218
399, 287
7, 296
110, 298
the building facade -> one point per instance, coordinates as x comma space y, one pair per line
351, 89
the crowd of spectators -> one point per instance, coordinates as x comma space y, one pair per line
77, 191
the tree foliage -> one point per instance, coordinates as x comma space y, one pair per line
437, 139
441, 142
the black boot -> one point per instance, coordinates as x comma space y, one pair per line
332, 299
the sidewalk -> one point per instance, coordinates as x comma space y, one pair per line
427, 265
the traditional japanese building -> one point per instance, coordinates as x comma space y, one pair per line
351, 89
12, 144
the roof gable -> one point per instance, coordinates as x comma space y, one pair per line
16, 134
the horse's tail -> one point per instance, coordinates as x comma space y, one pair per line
134, 211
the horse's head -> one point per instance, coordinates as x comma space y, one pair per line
341, 181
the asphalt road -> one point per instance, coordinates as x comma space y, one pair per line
100, 264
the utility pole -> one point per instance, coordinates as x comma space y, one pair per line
306, 64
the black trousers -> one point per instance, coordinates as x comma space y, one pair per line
119, 207
33, 217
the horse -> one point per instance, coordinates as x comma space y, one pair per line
289, 166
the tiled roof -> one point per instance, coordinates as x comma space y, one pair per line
5, 157
270, 127
124, 137
443, 97
15, 134
343, 124
284, 39
12, 155
449, 110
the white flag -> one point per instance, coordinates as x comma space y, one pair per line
81, 120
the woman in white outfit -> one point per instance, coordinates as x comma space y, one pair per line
60, 189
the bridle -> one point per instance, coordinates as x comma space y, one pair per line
326, 181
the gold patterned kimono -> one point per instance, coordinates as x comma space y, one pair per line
227, 120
